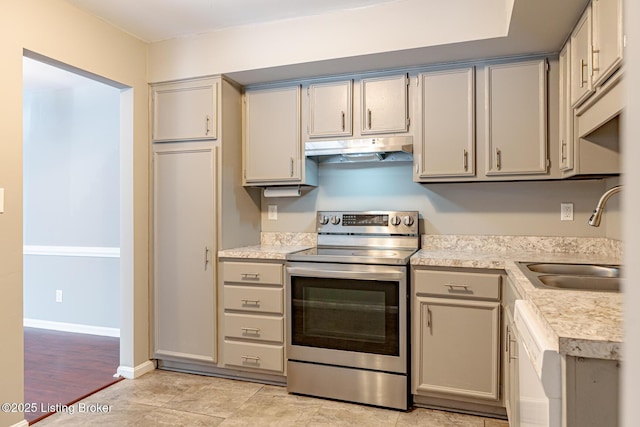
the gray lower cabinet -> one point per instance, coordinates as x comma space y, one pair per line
183, 251
510, 353
253, 320
456, 335
591, 392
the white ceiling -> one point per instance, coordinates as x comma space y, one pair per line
155, 20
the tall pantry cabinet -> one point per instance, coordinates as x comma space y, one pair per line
199, 207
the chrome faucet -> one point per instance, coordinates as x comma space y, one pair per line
594, 221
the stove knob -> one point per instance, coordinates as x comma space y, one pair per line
408, 221
395, 220
335, 220
323, 220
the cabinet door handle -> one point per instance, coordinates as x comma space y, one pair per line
291, 167
583, 64
250, 276
254, 331
207, 128
508, 346
250, 301
344, 123
428, 317
254, 359
498, 159
369, 118
563, 151
465, 160
593, 60
206, 257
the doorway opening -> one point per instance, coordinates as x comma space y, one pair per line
73, 144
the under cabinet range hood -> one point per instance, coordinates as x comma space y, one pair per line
396, 148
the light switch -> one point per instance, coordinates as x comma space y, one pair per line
1, 200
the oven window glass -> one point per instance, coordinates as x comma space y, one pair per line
346, 314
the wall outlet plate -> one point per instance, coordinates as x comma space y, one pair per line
566, 211
273, 212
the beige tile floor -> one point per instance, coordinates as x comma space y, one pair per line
163, 398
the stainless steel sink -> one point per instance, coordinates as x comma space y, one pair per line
576, 269
585, 277
586, 283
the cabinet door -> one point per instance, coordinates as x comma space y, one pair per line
330, 109
516, 118
384, 104
581, 66
565, 125
272, 135
448, 124
183, 260
607, 38
458, 343
185, 111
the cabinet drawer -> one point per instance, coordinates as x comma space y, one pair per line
253, 327
454, 284
257, 356
251, 298
252, 272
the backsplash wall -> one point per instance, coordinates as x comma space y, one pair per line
500, 208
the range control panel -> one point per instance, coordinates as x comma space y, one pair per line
369, 222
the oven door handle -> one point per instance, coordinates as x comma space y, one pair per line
346, 274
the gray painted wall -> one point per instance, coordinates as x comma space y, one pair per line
71, 198
501, 208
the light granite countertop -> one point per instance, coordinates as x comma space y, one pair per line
264, 252
273, 246
585, 324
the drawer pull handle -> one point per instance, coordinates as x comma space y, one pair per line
250, 301
250, 276
455, 287
254, 359
255, 331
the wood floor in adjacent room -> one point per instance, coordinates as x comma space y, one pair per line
163, 398
63, 367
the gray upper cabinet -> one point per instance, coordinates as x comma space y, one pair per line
330, 109
581, 56
384, 104
447, 101
516, 118
272, 141
607, 38
185, 110
565, 124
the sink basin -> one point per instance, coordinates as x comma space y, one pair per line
585, 283
577, 277
576, 269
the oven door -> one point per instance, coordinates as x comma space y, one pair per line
347, 315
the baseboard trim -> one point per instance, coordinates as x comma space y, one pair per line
136, 372
72, 327
23, 423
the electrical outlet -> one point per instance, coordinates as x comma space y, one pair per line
58, 295
566, 211
273, 212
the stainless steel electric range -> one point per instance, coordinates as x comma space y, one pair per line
347, 309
